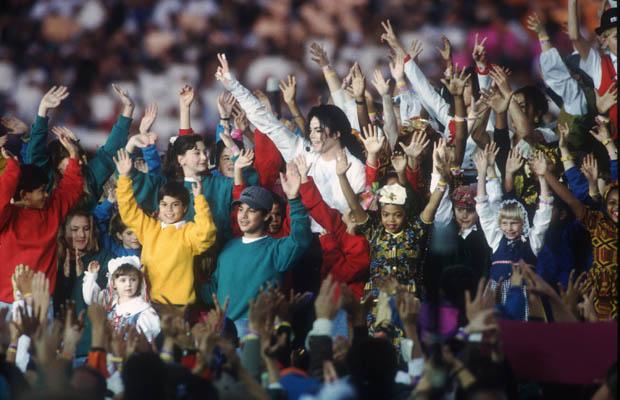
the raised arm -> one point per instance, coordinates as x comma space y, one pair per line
186, 97
286, 141
565, 195
200, 234
37, 152
542, 218
289, 89
580, 44
357, 89
9, 179
488, 216
390, 126
342, 166
442, 161
71, 185
455, 83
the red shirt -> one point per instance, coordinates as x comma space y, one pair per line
608, 78
28, 235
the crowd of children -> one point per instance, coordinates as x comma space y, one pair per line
366, 250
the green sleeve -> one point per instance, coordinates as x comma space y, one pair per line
102, 165
291, 248
37, 151
146, 189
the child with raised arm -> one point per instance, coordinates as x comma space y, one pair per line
125, 295
28, 227
169, 243
248, 263
509, 234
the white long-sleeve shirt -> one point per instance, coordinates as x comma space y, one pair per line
489, 221
592, 65
290, 145
557, 76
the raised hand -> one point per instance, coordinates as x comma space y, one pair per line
52, 99
589, 168
23, 279
586, 308
500, 79
563, 130
318, 55
446, 51
196, 189
326, 304
93, 267
150, 113
397, 67
479, 53
225, 104
40, 295
239, 118
69, 144
73, 329
491, 150
538, 163
415, 49
399, 162
358, 83
342, 163
456, 81
481, 162
303, 167
123, 96
245, 159
186, 96
481, 302
123, 162
372, 139
409, 307
442, 159
390, 38
601, 132
261, 312
59, 131
514, 162
419, 141
607, 100
223, 71
13, 125
495, 99
534, 24
291, 181
382, 86
570, 295
288, 88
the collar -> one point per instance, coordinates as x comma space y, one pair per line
177, 225
293, 371
133, 306
193, 180
245, 240
467, 231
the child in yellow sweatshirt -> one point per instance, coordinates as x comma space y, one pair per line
169, 243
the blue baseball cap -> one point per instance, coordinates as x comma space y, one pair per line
256, 197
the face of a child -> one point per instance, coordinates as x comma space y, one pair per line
194, 161
126, 285
392, 217
250, 220
128, 239
225, 163
512, 228
465, 217
36, 198
320, 137
171, 210
612, 205
610, 40
276, 219
77, 232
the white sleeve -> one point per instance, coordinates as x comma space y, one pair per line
356, 174
431, 100
347, 104
494, 191
484, 81
90, 289
558, 78
443, 216
488, 221
22, 356
286, 141
541, 222
593, 66
148, 323
410, 105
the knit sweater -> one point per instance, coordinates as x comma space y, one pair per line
28, 235
242, 268
168, 251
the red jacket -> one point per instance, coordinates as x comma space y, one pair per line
27, 235
345, 256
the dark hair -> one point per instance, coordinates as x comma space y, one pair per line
475, 88
128, 269
373, 365
536, 98
144, 377
182, 144
32, 177
117, 225
57, 153
219, 149
176, 190
455, 280
336, 120
98, 387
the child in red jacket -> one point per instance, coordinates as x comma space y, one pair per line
29, 226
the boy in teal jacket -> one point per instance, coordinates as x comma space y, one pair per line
248, 263
99, 168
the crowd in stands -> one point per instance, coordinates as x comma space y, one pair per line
308, 200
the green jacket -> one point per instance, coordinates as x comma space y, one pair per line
96, 171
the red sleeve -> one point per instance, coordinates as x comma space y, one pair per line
327, 217
69, 190
356, 260
371, 175
8, 185
414, 178
234, 225
286, 222
97, 360
183, 132
267, 160
236, 192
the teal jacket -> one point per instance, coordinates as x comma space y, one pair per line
243, 268
97, 170
216, 189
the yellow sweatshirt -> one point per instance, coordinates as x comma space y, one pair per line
167, 253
